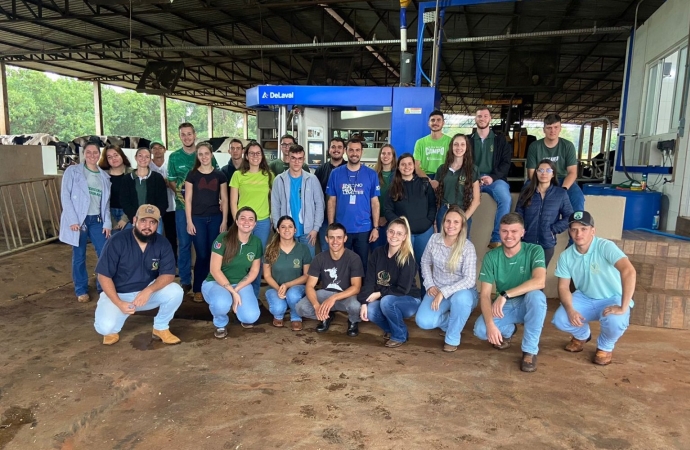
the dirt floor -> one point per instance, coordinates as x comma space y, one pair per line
272, 388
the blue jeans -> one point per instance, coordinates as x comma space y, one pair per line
439, 219
575, 195
277, 306
207, 230
349, 305
115, 216
500, 192
381, 241
109, 318
359, 243
304, 239
451, 316
529, 309
93, 230
388, 313
611, 327
184, 248
322, 237
262, 230
419, 242
219, 301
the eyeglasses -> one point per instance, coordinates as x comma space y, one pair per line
543, 171
254, 154
285, 145
396, 233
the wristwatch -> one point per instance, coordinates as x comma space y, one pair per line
504, 294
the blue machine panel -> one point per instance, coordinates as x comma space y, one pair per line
410, 118
325, 96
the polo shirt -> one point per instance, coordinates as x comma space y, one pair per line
353, 192
593, 273
509, 273
240, 265
131, 269
290, 266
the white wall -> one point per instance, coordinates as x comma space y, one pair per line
665, 30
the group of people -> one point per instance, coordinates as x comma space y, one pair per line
378, 230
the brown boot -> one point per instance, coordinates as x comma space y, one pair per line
84, 298
529, 362
449, 348
110, 339
602, 358
296, 325
577, 345
166, 336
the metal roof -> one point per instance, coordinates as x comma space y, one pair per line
580, 76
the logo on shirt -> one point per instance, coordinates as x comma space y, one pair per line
154, 264
491, 148
435, 151
335, 283
353, 188
250, 256
522, 269
383, 278
594, 267
296, 263
217, 245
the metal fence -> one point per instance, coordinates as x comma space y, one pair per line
29, 214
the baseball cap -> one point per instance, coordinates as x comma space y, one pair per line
156, 141
148, 212
582, 217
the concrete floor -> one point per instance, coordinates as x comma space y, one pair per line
272, 388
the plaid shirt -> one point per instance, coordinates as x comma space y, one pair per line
435, 270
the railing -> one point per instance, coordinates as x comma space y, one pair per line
29, 214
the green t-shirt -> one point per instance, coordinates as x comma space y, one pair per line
254, 192
563, 155
290, 266
279, 166
179, 165
508, 273
239, 266
95, 184
431, 153
483, 153
454, 185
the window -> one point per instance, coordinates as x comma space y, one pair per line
664, 91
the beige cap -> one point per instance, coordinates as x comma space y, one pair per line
149, 212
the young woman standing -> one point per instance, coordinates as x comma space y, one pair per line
385, 169
286, 264
114, 161
143, 186
85, 197
545, 208
206, 197
390, 293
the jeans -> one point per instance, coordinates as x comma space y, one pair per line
575, 195
109, 318
381, 241
207, 230
115, 216
262, 230
277, 306
439, 219
388, 313
451, 316
184, 248
359, 243
304, 239
93, 230
419, 242
349, 305
500, 192
611, 327
219, 301
322, 237
529, 309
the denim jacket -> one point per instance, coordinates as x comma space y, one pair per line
75, 199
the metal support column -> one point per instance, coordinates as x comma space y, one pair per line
98, 108
245, 125
164, 120
5, 113
210, 121
282, 121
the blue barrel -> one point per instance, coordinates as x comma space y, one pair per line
640, 206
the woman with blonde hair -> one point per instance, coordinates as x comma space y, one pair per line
385, 169
449, 266
390, 293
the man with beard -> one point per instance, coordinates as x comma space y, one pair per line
353, 201
335, 151
430, 151
492, 155
517, 268
136, 271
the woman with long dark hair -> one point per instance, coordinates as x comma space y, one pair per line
85, 197
545, 208
286, 263
385, 169
390, 293
114, 161
206, 199
235, 263
458, 181
143, 187
412, 197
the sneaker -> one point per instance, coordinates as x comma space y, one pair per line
198, 297
449, 348
529, 362
602, 358
576, 345
166, 336
220, 333
393, 344
386, 336
110, 339
84, 298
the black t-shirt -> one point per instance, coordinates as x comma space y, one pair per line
335, 275
115, 183
206, 192
131, 269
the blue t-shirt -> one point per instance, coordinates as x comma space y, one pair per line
296, 202
353, 192
131, 269
593, 273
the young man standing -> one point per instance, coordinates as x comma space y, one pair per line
339, 272
235, 151
158, 165
336, 150
604, 280
517, 268
297, 194
280, 165
180, 162
492, 153
353, 200
430, 151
